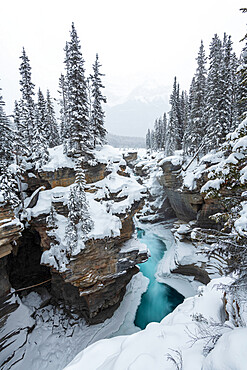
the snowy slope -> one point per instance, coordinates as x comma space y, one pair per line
186, 332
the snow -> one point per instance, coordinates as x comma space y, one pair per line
149, 348
108, 153
104, 212
176, 159
233, 346
212, 184
241, 223
55, 339
193, 173
8, 222
134, 244
43, 206
58, 159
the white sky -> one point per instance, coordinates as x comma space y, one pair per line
137, 40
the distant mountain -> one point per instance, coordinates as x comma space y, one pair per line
136, 112
125, 141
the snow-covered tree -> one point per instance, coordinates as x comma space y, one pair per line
175, 129
80, 141
242, 87
6, 137
214, 130
195, 129
228, 184
153, 140
41, 113
79, 220
27, 106
97, 114
8, 183
39, 146
63, 102
51, 133
163, 131
8, 186
148, 140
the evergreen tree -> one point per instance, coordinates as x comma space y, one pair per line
226, 101
184, 106
187, 145
235, 114
242, 83
158, 130
148, 140
163, 131
195, 131
175, 129
79, 220
153, 141
51, 132
39, 146
80, 138
64, 119
6, 137
8, 186
97, 114
19, 143
41, 114
27, 105
214, 130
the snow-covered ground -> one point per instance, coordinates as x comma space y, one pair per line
56, 339
183, 338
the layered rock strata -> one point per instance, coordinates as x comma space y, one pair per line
94, 281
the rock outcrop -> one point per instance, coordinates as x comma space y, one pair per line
94, 281
10, 231
187, 204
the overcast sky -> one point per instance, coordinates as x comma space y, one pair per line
137, 40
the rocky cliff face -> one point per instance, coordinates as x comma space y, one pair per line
94, 281
187, 204
10, 231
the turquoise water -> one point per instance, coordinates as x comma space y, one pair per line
159, 299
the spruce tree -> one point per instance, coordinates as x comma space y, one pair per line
8, 184
80, 141
214, 130
163, 131
195, 131
235, 114
6, 137
51, 132
148, 140
39, 146
226, 101
27, 105
242, 84
41, 114
175, 129
79, 220
64, 119
187, 139
153, 140
158, 133
97, 114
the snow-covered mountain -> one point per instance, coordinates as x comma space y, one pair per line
134, 113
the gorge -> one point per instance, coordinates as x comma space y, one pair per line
88, 287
